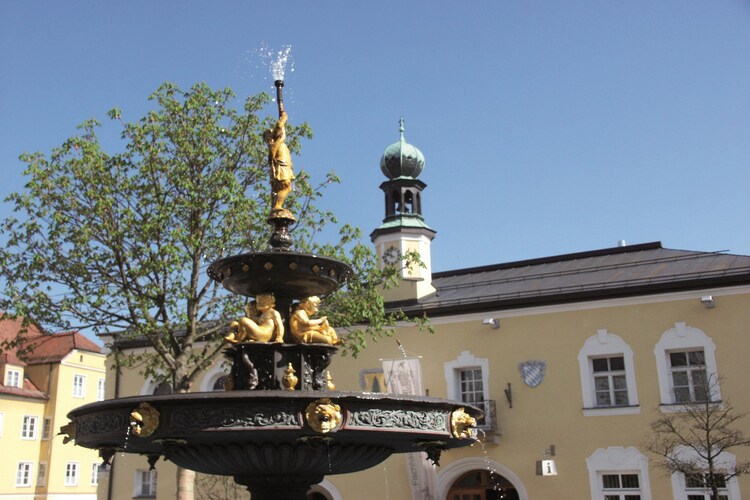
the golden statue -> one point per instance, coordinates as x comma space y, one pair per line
261, 324
280, 161
308, 330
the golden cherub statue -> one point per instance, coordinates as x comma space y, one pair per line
308, 330
279, 160
261, 323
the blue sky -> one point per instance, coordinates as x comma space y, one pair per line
548, 126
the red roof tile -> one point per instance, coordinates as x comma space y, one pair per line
42, 347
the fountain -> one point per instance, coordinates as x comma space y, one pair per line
280, 426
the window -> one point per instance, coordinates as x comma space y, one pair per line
467, 380
145, 483
41, 475
610, 385
79, 386
94, 473
697, 486
219, 384
607, 376
29, 427
46, 428
688, 370
472, 387
13, 378
621, 487
71, 474
685, 362
100, 390
23, 473
618, 473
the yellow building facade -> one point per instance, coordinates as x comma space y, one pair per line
62, 371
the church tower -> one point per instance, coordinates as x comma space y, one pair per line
403, 228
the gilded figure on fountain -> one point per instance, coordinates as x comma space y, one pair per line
306, 329
262, 323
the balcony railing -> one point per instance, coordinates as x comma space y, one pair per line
488, 423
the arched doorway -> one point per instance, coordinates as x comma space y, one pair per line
481, 484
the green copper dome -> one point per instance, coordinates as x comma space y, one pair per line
401, 159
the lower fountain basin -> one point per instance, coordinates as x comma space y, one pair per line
273, 433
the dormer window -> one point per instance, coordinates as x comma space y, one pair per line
13, 378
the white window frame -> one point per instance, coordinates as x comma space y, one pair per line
101, 389
79, 385
617, 460
13, 378
41, 475
72, 470
683, 338
606, 344
725, 460
145, 478
24, 472
29, 427
465, 361
95, 473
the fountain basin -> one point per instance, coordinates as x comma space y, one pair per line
278, 433
286, 274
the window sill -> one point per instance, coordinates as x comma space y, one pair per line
602, 411
145, 496
680, 407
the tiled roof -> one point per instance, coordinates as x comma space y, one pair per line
9, 328
51, 348
43, 347
613, 272
29, 390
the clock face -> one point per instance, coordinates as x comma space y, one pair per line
391, 255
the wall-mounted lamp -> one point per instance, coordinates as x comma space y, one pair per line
492, 321
509, 396
547, 467
708, 301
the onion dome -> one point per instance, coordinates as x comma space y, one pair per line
401, 159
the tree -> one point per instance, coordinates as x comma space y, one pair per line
692, 439
120, 242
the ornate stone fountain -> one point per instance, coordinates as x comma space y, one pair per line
280, 426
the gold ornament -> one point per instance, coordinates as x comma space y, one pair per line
289, 380
323, 415
144, 420
463, 425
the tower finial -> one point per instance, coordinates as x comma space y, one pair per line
401, 128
